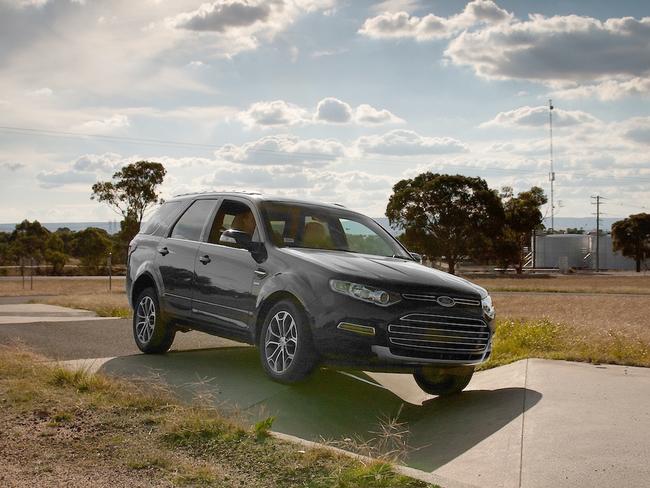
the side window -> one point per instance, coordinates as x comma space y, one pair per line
364, 240
190, 225
316, 233
161, 218
232, 215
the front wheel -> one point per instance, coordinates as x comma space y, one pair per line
152, 333
443, 381
286, 349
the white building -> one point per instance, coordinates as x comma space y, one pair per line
578, 251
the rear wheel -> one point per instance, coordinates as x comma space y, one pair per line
286, 349
443, 381
152, 333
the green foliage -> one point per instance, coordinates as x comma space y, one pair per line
262, 428
54, 253
133, 189
92, 246
522, 216
448, 216
631, 236
28, 241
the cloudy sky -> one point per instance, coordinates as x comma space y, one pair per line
333, 100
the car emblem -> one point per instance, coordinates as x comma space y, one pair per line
446, 301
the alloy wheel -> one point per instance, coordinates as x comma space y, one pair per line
146, 319
281, 341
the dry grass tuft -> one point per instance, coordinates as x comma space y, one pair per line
570, 284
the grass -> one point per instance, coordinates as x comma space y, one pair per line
63, 427
520, 339
614, 283
59, 286
103, 304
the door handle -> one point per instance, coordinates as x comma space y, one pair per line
260, 273
205, 259
163, 250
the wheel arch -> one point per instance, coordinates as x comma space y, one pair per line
268, 303
145, 280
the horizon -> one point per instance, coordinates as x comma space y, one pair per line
323, 98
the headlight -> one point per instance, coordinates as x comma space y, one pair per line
364, 293
488, 308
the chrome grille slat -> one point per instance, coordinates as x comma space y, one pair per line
442, 335
433, 298
399, 329
455, 349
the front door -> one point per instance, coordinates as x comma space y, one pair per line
223, 293
177, 255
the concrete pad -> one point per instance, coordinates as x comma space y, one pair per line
25, 313
592, 429
532, 423
40, 309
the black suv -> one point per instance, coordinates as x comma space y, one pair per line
308, 283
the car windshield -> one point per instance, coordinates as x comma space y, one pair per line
316, 227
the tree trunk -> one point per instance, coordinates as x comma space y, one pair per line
638, 264
451, 266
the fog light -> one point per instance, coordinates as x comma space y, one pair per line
365, 330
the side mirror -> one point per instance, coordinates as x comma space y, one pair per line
416, 256
233, 236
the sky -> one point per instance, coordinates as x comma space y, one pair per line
329, 100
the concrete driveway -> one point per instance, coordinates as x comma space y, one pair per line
533, 423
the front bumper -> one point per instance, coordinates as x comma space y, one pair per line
404, 337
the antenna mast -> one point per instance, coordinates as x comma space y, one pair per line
551, 175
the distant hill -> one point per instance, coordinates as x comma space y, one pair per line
561, 223
586, 223
110, 227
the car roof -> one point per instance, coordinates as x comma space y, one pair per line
257, 197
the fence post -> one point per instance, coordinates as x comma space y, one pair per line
110, 272
22, 270
31, 273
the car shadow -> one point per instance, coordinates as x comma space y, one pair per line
331, 405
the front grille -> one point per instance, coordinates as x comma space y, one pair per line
442, 337
433, 298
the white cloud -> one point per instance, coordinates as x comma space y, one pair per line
402, 25
607, 90
329, 110
275, 113
40, 92
333, 110
110, 124
408, 142
637, 130
564, 51
366, 114
233, 26
283, 150
538, 117
86, 169
13, 167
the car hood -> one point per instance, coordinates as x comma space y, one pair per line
391, 273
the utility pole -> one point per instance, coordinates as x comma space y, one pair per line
551, 175
597, 201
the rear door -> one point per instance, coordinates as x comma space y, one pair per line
223, 293
177, 254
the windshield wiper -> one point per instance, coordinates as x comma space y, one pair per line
402, 257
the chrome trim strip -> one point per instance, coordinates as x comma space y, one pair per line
476, 321
383, 353
234, 322
453, 331
452, 349
175, 296
433, 298
222, 306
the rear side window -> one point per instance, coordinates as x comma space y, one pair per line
162, 218
190, 225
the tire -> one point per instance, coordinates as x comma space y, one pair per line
286, 349
443, 381
152, 333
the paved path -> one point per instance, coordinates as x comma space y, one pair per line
534, 423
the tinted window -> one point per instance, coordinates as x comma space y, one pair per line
232, 215
162, 218
315, 227
191, 224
